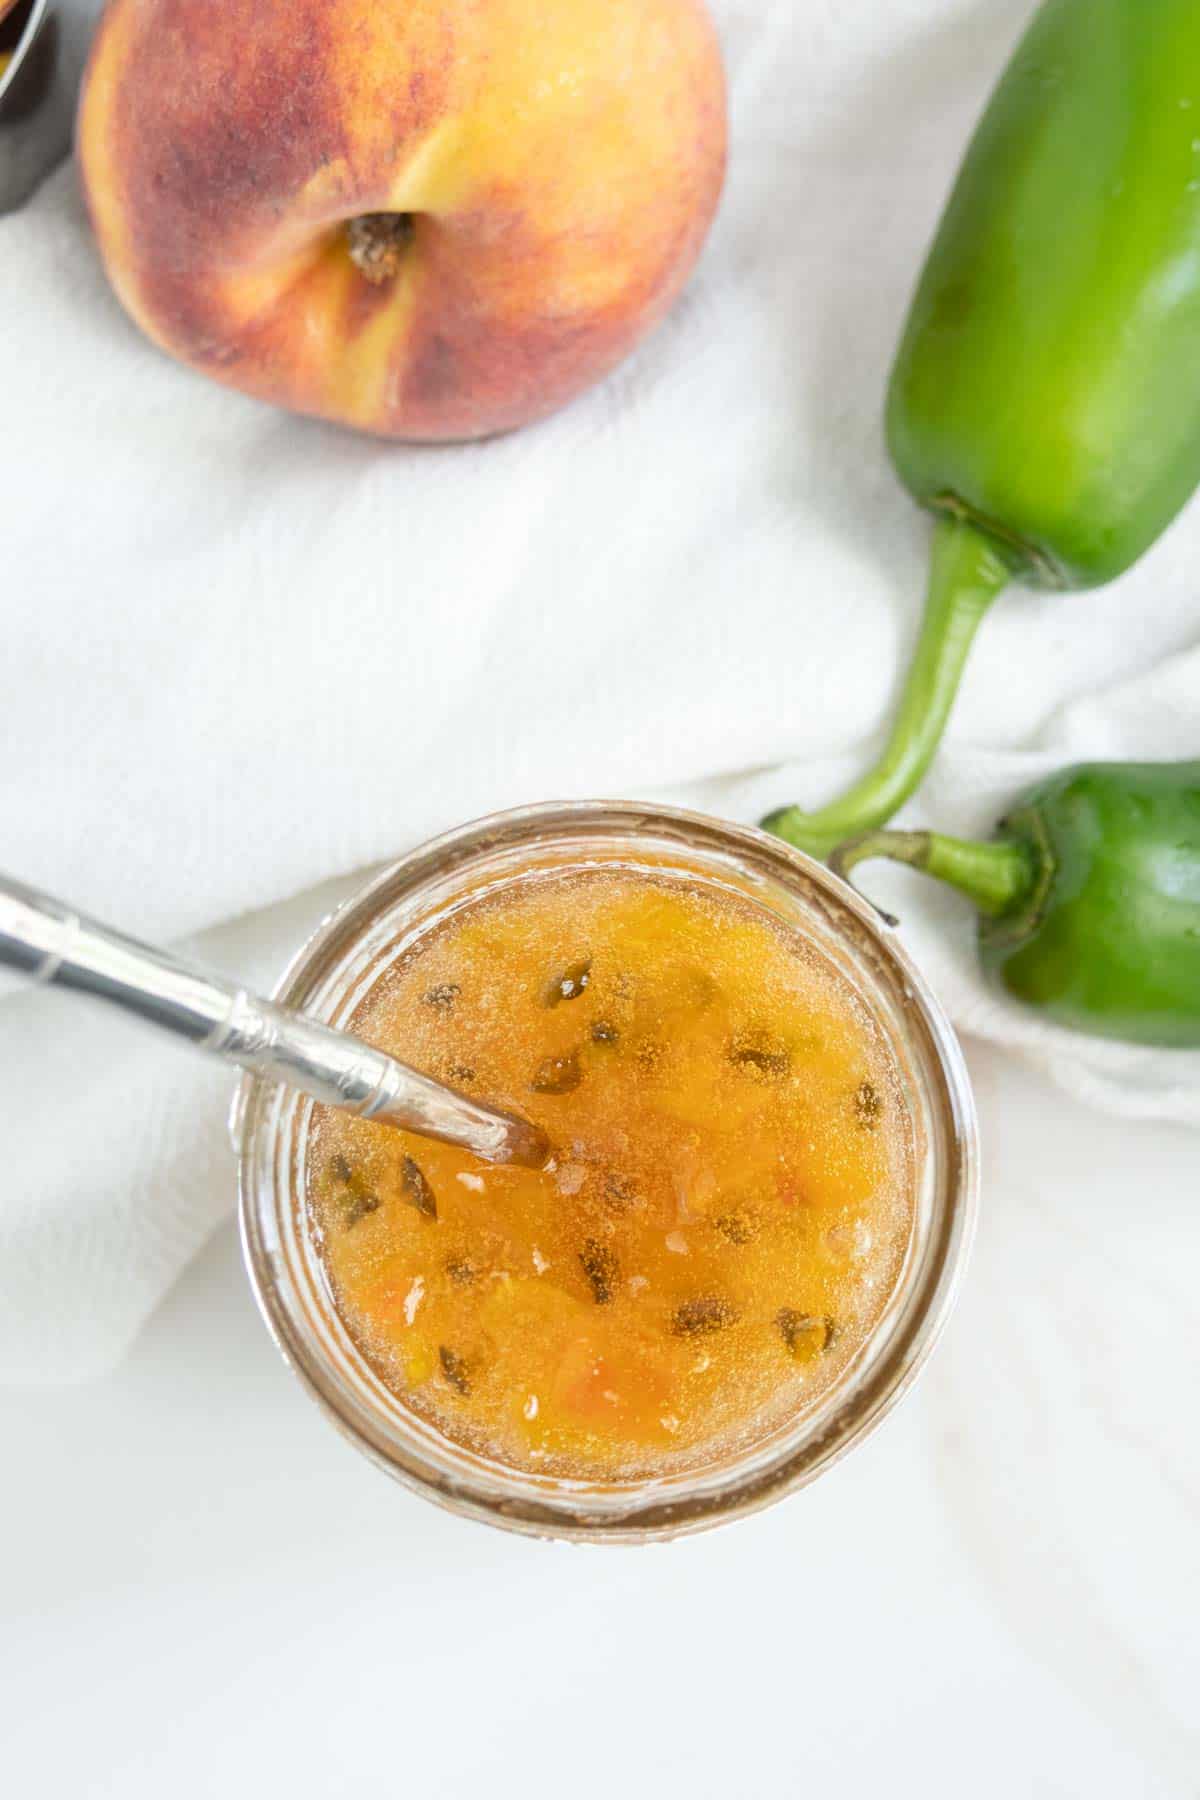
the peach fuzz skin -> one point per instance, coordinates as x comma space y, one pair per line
557, 162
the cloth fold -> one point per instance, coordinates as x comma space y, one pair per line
246, 654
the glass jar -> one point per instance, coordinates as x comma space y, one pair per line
38, 78
354, 948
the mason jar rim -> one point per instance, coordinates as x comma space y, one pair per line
270, 1130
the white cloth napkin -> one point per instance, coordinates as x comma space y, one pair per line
245, 654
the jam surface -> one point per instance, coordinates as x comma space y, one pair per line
723, 1219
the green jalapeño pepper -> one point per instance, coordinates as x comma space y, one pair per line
1045, 402
1089, 897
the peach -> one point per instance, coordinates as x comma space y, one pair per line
428, 219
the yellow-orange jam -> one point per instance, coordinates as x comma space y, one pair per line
726, 1211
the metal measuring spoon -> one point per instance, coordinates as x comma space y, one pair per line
54, 945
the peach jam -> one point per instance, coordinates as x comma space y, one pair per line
724, 1217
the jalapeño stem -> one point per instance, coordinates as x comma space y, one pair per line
968, 569
997, 878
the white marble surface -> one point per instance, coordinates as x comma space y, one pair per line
206, 1593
